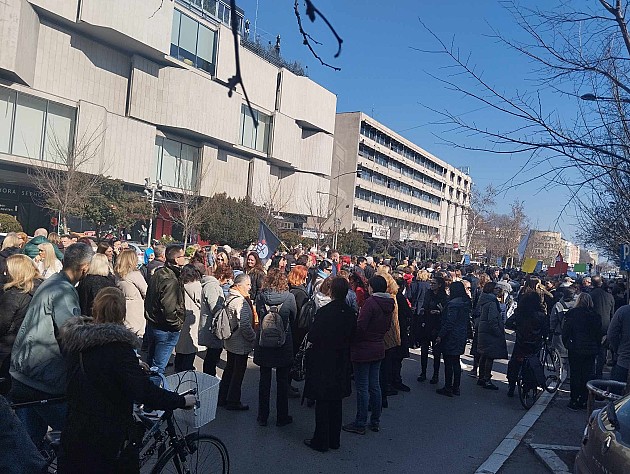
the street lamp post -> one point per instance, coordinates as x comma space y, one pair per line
152, 190
595, 98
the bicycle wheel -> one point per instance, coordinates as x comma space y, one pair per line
552, 365
527, 394
204, 454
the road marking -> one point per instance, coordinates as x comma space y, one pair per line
501, 454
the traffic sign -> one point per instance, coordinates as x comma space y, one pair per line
624, 257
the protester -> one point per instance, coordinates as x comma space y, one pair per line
367, 350
329, 367
254, 268
38, 370
106, 249
239, 344
134, 287
581, 335
97, 278
604, 306
10, 246
31, 248
452, 337
22, 280
297, 287
556, 319
392, 340
418, 289
619, 341
275, 296
158, 261
105, 379
491, 343
188, 343
164, 309
47, 262
476, 313
435, 304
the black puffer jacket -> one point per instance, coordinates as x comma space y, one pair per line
104, 379
491, 330
88, 289
276, 356
454, 329
581, 331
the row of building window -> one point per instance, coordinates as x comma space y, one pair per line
395, 165
35, 128
193, 43
215, 9
256, 138
397, 147
373, 218
175, 163
382, 180
382, 200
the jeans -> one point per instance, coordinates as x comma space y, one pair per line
282, 393
232, 380
184, 362
213, 356
485, 368
452, 371
161, 345
581, 372
366, 379
328, 415
37, 419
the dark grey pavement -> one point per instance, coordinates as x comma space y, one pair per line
420, 432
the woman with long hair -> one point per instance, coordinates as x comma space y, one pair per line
452, 337
238, 345
476, 313
47, 262
254, 268
359, 284
297, 287
581, 335
22, 279
134, 287
418, 289
10, 246
104, 381
106, 249
274, 296
188, 342
435, 303
97, 278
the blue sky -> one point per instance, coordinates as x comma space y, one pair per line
384, 76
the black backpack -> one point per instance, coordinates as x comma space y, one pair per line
307, 314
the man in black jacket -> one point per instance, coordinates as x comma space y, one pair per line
604, 306
164, 309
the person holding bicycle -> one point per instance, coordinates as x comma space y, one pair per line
532, 326
104, 380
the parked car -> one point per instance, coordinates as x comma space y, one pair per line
606, 442
139, 248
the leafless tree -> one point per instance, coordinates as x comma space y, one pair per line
73, 176
481, 204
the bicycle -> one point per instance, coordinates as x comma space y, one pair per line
552, 365
539, 372
165, 448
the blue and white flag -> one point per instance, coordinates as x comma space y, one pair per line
267, 242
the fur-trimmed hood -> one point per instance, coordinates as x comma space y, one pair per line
80, 333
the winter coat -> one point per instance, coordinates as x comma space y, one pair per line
351, 300
404, 321
150, 269
604, 306
104, 380
31, 249
619, 336
454, 328
276, 356
134, 287
188, 342
164, 305
556, 319
321, 299
300, 294
491, 341
89, 287
392, 336
4, 254
212, 299
242, 339
256, 277
430, 323
328, 366
13, 306
375, 319
36, 359
531, 328
417, 292
581, 331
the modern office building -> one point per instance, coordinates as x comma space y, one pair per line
142, 87
399, 191
543, 245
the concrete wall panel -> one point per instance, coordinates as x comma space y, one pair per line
19, 31
64, 8
223, 172
306, 100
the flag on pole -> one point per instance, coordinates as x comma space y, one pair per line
267, 242
559, 257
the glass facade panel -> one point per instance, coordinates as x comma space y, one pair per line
248, 132
188, 39
59, 133
263, 132
170, 162
175, 31
29, 125
205, 49
187, 166
7, 106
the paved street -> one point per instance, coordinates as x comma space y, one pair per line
420, 432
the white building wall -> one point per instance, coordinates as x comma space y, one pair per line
19, 30
66, 9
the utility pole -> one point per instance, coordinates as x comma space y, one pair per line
152, 190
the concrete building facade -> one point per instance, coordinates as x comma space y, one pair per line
399, 191
544, 245
142, 86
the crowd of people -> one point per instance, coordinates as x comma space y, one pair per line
82, 320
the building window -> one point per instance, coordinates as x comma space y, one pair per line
35, 128
193, 43
256, 138
175, 163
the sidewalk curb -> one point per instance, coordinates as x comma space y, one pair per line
505, 449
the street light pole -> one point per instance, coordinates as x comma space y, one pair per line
152, 189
